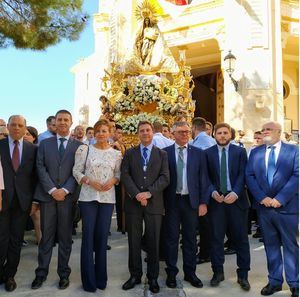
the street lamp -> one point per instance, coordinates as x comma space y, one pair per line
229, 65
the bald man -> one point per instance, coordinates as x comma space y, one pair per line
18, 163
272, 176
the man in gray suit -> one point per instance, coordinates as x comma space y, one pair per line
145, 174
55, 162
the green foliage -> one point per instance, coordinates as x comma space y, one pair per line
37, 24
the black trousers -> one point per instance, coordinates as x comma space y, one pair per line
12, 225
204, 232
119, 207
134, 227
56, 218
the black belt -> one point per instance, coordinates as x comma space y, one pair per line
182, 196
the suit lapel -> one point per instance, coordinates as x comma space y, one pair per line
24, 154
138, 158
173, 161
230, 160
7, 153
262, 165
188, 160
152, 157
67, 150
217, 163
281, 158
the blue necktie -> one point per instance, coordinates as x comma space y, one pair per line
61, 149
271, 165
145, 158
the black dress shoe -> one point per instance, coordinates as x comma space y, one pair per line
2, 280
37, 283
171, 281
243, 282
193, 280
229, 251
108, 247
295, 292
200, 260
10, 284
63, 283
131, 283
153, 286
270, 290
257, 234
216, 279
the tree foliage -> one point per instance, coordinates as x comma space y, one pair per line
37, 24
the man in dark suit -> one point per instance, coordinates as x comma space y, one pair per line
228, 207
18, 162
145, 174
273, 178
185, 199
55, 160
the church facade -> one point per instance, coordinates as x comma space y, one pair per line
263, 36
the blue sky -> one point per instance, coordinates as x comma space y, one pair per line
37, 84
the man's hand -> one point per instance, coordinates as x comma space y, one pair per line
230, 198
144, 202
143, 196
267, 202
34, 208
59, 194
219, 198
275, 203
202, 211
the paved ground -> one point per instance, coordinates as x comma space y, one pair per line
118, 273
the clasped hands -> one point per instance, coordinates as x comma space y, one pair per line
143, 198
270, 202
102, 187
228, 199
59, 194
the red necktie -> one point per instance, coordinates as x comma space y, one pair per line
16, 156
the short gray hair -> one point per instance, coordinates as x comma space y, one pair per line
16, 116
180, 124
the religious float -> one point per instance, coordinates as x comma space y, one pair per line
149, 85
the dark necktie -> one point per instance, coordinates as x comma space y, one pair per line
179, 170
223, 175
61, 149
271, 165
145, 158
16, 156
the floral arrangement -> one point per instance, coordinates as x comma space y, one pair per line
124, 104
171, 91
129, 124
165, 104
146, 91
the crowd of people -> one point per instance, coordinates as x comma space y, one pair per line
176, 183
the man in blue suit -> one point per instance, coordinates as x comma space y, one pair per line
273, 178
185, 199
55, 161
228, 206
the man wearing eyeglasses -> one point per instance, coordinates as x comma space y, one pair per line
185, 199
272, 176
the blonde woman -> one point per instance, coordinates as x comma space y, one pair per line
97, 168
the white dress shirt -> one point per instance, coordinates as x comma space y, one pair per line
185, 190
12, 146
65, 142
276, 151
161, 141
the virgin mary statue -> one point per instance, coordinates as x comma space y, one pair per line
150, 52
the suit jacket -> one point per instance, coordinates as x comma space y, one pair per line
52, 171
22, 182
237, 160
285, 186
197, 181
136, 180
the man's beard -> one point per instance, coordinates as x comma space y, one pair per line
223, 144
267, 139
